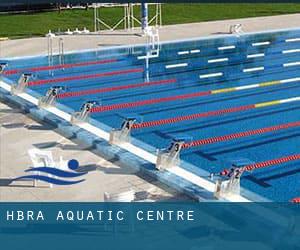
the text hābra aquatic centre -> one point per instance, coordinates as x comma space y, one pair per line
101, 215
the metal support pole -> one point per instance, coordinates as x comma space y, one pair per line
144, 15
95, 18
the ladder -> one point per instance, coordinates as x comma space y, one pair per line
50, 53
61, 52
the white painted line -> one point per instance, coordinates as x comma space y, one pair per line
29, 98
253, 69
94, 130
226, 47
218, 60
292, 40
256, 55
5, 86
139, 152
179, 65
290, 51
183, 52
195, 179
247, 87
25, 96
59, 113
237, 198
195, 51
211, 75
291, 64
261, 43
290, 80
147, 56
290, 100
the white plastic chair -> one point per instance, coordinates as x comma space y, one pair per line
236, 29
50, 34
128, 196
40, 158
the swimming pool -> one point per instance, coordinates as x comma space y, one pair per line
232, 98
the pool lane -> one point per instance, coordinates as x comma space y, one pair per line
238, 53
158, 69
260, 59
185, 86
188, 106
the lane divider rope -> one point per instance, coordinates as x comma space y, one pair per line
296, 200
65, 66
271, 162
211, 113
80, 77
188, 96
110, 89
240, 135
264, 164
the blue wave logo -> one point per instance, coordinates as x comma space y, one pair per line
72, 165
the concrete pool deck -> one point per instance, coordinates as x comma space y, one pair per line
19, 133
108, 177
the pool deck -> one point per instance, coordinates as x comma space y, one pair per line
18, 133
107, 176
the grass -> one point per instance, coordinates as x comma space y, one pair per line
38, 24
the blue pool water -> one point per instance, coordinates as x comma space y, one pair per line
237, 61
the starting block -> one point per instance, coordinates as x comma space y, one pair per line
170, 157
3, 65
122, 135
22, 84
231, 185
84, 113
50, 97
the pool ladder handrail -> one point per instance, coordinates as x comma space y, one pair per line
153, 47
50, 50
153, 40
61, 51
